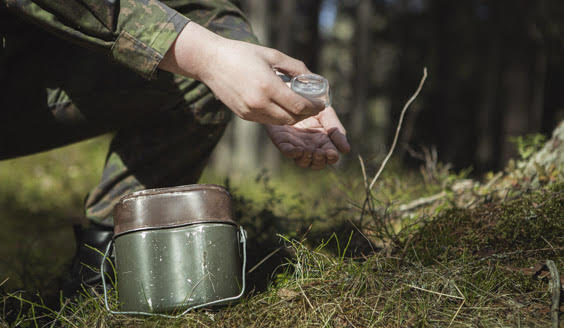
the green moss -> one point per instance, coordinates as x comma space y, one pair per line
531, 221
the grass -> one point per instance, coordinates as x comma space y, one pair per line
473, 263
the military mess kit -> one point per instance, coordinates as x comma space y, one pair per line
178, 249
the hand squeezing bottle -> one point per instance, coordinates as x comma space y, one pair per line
311, 86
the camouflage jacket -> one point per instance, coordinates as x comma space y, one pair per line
135, 33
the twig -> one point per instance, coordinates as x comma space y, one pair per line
3, 282
365, 180
264, 259
493, 180
363, 168
555, 285
398, 129
367, 191
421, 202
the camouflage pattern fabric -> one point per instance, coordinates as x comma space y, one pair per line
59, 92
135, 33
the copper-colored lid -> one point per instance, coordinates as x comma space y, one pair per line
171, 207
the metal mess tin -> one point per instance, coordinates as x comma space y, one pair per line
177, 249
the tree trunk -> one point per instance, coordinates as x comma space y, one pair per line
362, 69
487, 154
283, 34
247, 135
286, 22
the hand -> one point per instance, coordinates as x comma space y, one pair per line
241, 75
313, 142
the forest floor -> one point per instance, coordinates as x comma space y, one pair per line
427, 248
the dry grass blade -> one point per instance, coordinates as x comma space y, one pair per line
59, 314
460, 307
306, 298
370, 243
398, 129
434, 292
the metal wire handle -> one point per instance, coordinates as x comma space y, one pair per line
233, 298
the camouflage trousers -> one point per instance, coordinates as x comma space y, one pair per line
54, 93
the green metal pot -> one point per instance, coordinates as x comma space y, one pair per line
177, 249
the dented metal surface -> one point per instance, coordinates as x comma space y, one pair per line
169, 269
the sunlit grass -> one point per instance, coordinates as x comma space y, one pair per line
452, 265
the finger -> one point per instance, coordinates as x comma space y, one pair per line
279, 137
332, 155
340, 141
294, 103
272, 114
289, 150
319, 160
305, 160
330, 152
298, 152
286, 98
286, 64
329, 120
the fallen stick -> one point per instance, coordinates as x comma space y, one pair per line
555, 286
421, 202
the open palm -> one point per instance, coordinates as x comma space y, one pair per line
313, 142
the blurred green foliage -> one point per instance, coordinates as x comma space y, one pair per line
529, 144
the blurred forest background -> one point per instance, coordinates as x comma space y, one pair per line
496, 72
496, 69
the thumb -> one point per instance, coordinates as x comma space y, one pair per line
286, 64
337, 133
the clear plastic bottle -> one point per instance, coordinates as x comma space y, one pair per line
311, 86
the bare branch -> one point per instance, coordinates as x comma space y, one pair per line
364, 176
398, 129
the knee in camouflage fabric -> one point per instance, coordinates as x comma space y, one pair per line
165, 128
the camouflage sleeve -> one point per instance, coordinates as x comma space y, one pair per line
135, 33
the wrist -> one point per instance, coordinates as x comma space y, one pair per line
192, 52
